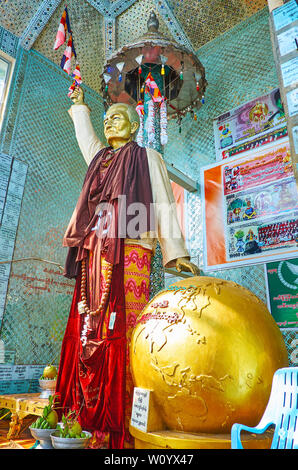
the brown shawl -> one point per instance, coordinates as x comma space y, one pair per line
127, 175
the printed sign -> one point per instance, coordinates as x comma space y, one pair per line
250, 208
140, 408
282, 291
295, 138
286, 41
285, 15
251, 125
289, 71
292, 99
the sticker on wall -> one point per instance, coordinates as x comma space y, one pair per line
295, 138
292, 100
287, 41
285, 15
249, 126
250, 208
289, 71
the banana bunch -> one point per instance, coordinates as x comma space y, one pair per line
41, 423
49, 418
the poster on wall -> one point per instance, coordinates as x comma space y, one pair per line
251, 125
282, 291
250, 208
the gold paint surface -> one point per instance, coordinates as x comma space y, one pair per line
180, 440
208, 349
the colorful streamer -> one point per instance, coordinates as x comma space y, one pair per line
64, 26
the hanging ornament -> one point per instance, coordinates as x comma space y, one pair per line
120, 66
163, 60
163, 123
181, 71
197, 77
140, 111
139, 61
179, 121
106, 78
203, 99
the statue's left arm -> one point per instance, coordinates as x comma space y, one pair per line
171, 240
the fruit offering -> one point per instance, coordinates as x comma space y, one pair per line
70, 428
49, 418
49, 373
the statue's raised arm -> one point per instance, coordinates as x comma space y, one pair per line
77, 96
88, 141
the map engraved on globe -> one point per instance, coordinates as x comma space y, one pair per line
199, 345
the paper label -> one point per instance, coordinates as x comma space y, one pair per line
140, 408
112, 320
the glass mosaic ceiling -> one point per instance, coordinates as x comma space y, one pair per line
101, 26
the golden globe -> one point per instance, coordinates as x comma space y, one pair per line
208, 349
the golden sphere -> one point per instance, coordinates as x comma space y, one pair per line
208, 349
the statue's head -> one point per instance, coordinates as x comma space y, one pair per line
121, 123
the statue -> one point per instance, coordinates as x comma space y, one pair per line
109, 254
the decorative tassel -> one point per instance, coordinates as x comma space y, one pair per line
106, 78
120, 66
163, 61
140, 111
151, 122
163, 123
181, 71
139, 61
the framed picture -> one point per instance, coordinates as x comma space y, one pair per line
250, 208
6, 68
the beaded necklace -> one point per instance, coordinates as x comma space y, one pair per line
83, 306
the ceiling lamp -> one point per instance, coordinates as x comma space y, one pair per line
178, 72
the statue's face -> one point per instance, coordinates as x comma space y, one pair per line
118, 129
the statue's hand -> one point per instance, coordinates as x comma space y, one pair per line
77, 96
183, 264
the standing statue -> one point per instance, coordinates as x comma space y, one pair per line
110, 238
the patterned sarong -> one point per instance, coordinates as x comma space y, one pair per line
86, 396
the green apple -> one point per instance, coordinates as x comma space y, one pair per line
75, 429
50, 372
52, 419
